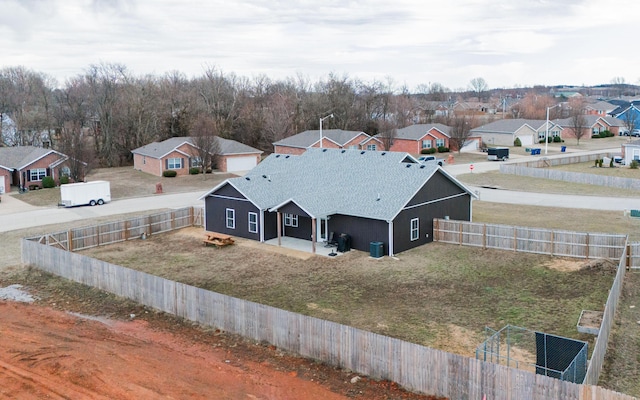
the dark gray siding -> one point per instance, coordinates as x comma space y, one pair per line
438, 187
302, 231
292, 208
215, 220
229, 191
363, 231
458, 208
270, 225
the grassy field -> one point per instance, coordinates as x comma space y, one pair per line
436, 295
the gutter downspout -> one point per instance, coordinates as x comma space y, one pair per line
390, 238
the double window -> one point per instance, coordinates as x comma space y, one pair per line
230, 215
426, 144
371, 147
291, 220
37, 174
439, 142
415, 228
174, 163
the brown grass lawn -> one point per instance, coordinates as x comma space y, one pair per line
436, 295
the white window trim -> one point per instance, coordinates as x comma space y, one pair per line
172, 165
415, 231
371, 147
440, 143
230, 218
37, 174
291, 220
253, 225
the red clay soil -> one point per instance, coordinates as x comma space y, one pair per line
46, 353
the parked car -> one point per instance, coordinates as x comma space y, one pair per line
618, 160
635, 132
425, 159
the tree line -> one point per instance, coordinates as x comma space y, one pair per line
105, 112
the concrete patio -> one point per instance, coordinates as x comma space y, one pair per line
303, 245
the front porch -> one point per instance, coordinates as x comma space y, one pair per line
303, 245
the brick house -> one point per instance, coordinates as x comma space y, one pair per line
594, 125
179, 154
26, 166
331, 139
412, 139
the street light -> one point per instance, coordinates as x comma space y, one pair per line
546, 135
322, 119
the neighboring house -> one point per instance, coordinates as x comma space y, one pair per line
179, 154
594, 125
504, 132
25, 166
331, 139
616, 125
601, 108
412, 139
629, 114
373, 196
631, 151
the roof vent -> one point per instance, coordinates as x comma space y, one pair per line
286, 157
342, 151
264, 176
378, 199
383, 153
324, 150
277, 155
362, 152
408, 165
247, 178
422, 166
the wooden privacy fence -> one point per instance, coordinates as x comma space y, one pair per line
412, 366
120, 231
633, 255
568, 176
600, 348
564, 159
530, 240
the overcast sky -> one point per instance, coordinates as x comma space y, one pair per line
509, 43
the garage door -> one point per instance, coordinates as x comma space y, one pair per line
526, 140
240, 163
1, 184
471, 145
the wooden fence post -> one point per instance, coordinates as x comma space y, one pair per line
515, 239
587, 245
127, 229
191, 221
460, 225
148, 225
436, 229
69, 240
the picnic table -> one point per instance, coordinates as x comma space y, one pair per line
217, 239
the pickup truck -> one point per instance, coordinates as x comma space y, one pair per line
426, 159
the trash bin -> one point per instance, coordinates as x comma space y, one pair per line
563, 148
344, 243
376, 249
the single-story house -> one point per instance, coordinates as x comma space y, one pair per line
331, 139
373, 196
25, 166
594, 124
179, 154
414, 138
504, 132
631, 151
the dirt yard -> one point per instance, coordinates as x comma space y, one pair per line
150, 356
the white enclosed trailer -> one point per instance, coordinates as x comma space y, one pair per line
85, 193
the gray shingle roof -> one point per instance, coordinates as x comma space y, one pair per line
307, 138
159, 149
323, 182
416, 132
509, 126
589, 119
20, 156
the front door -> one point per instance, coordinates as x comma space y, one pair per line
321, 228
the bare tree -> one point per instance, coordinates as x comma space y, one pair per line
478, 86
460, 131
577, 118
629, 118
204, 136
388, 131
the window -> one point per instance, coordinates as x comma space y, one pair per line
253, 222
37, 174
426, 144
415, 228
231, 218
371, 147
144, 159
291, 220
439, 142
196, 162
174, 163
65, 171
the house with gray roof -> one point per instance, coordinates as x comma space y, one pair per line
328, 139
179, 154
414, 138
504, 132
371, 196
593, 125
26, 166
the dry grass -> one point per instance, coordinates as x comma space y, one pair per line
127, 182
427, 295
